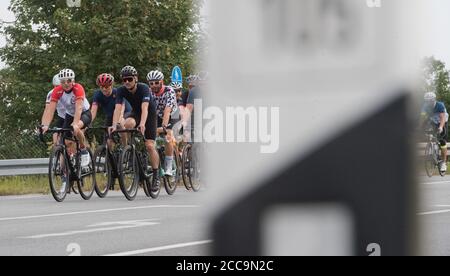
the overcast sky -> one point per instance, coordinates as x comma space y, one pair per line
5, 15
438, 39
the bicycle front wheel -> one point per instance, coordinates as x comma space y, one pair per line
86, 185
103, 172
58, 173
429, 160
129, 173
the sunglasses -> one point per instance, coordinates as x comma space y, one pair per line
105, 87
154, 83
66, 81
128, 79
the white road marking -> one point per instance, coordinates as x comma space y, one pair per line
162, 248
98, 211
5, 198
434, 212
436, 183
120, 225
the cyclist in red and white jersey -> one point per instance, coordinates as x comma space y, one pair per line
73, 97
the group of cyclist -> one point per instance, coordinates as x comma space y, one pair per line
152, 108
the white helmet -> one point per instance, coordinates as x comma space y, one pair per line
56, 80
155, 76
430, 97
66, 74
176, 85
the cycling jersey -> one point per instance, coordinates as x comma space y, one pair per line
142, 95
433, 113
68, 99
166, 98
59, 108
108, 104
184, 98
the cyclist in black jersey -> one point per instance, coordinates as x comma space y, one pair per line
143, 116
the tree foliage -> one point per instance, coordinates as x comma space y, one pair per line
436, 78
100, 36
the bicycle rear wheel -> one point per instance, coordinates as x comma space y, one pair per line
171, 182
146, 174
103, 172
129, 173
148, 182
193, 169
86, 185
185, 168
58, 174
430, 165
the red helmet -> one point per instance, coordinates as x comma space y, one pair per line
105, 80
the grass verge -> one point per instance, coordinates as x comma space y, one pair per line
23, 185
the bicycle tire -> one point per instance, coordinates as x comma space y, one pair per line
58, 155
170, 182
127, 168
103, 168
193, 170
429, 163
148, 186
87, 191
184, 168
145, 161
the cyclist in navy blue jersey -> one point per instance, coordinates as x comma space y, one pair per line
143, 116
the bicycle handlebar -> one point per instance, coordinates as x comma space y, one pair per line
52, 131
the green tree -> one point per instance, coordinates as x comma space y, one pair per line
436, 78
100, 36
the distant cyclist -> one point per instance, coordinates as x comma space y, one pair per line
166, 103
197, 83
181, 96
143, 115
73, 98
435, 114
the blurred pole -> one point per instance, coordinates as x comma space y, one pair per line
339, 71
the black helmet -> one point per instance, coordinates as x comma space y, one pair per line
128, 71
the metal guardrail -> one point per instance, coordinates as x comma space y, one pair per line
19, 167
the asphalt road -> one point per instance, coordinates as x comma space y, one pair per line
169, 226
434, 216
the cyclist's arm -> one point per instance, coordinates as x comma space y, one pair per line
117, 112
78, 111
122, 114
80, 96
49, 113
166, 118
144, 114
45, 111
188, 112
182, 113
94, 110
442, 116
